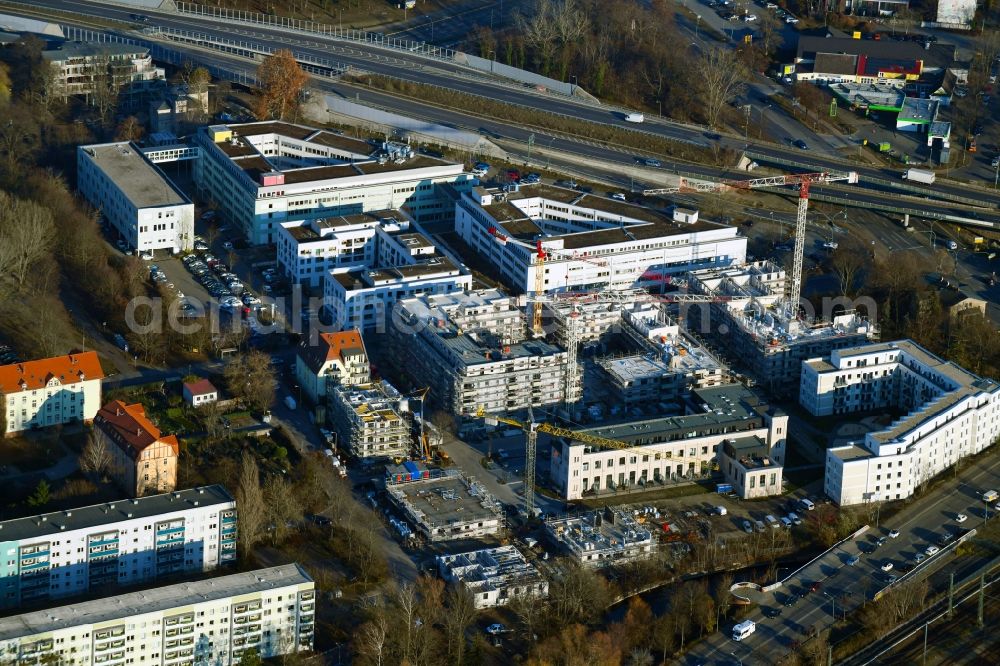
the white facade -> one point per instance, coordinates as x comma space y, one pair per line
207, 622
602, 538
80, 67
264, 174
494, 576
71, 552
135, 197
401, 263
949, 414
667, 450
591, 241
956, 13
51, 391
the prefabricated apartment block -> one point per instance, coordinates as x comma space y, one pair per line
267, 173
72, 552
484, 361
371, 420
136, 198
590, 242
948, 414
602, 537
447, 506
668, 449
494, 576
214, 621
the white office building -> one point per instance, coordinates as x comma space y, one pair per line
493, 576
264, 174
589, 241
135, 197
666, 450
400, 263
216, 621
948, 414
72, 552
50, 391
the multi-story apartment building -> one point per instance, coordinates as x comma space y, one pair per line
135, 197
493, 576
589, 241
371, 420
79, 68
264, 174
269, 612
143, 459
949, 413
50, 391
669, 449
72, 552
336, 359
485, 362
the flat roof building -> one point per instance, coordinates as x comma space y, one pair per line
666, 450
948, 414
147, 210
750, 321
590, 241
267, 173
371, 420
748, 466
267, 611
602, 538
447, 506
79, 68
72, 552
493, 576
462, 359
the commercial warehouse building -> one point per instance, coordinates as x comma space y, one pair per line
667, 450
494, 576
269, 612
948, 414
71, 552
267, 173
470, 348
589, 241
135, 197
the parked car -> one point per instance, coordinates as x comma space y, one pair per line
961, 518
886, 566
931, 550
893, 534
919, 557
853, 560
531, 179
747, 527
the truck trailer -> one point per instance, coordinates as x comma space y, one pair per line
920, 176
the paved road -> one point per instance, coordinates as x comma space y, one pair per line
844, 586
416, 68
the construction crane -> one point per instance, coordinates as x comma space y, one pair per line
531, 430
424, 445
541, 256
802, 180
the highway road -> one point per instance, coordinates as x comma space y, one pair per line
416, 68
845, 587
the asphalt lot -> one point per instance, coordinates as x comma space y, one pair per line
843, 586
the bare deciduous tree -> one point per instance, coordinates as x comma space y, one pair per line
722, 75
461, 613
250, 377
250, 500
27, 233
283, 509
95, 458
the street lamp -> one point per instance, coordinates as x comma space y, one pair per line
833, 604
572, 90
697, 24
492, 56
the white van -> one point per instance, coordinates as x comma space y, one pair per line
990, 495
744, 629
807, 505
634, 117
721, 510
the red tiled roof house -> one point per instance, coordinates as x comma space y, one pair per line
144, 460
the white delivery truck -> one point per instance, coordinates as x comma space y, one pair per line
990, 496
634, 117
744, 629
920, 176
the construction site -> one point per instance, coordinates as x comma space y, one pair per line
494, 576
603, 537
445, 505
371, 420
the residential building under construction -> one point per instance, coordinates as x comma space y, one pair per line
750, 321
446, 506
371, 420
494, 576
471, 349
602, 538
